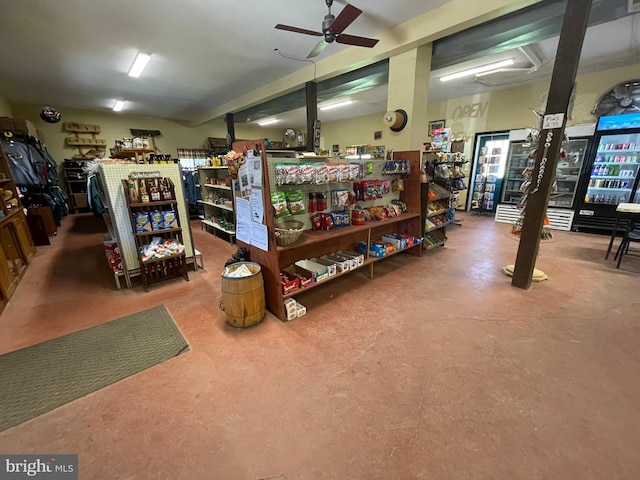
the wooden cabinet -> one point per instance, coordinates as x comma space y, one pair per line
318, 243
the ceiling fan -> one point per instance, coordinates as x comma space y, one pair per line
332, 28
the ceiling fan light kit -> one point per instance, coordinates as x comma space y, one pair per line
332, 28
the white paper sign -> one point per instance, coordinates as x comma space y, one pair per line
243, 232
259, 236
257, 206
243, 210
243, 180
255, 169
553, 121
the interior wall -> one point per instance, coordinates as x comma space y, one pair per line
354, 131
5, 107
116, 126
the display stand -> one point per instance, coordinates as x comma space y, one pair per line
435, 201
118, 219
314, 244
154, 270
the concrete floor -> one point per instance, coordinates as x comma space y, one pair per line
436, 369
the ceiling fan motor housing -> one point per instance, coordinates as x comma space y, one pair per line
326, 28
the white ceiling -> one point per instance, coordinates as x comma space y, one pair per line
76, 53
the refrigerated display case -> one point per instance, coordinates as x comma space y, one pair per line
488, 171
568, 173
610, 176
517, 161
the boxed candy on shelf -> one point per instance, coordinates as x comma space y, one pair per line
396, 240
342, 265
319, 272
375, 249
156, 220
305, 277
290, 283
291, 308
331, 267
300, 309
359, 258
341, 218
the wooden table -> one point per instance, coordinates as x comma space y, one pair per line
631, 210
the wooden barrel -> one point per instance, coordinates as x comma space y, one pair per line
243, 297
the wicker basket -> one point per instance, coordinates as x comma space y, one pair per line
288, 231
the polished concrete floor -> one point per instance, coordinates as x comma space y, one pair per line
435, 369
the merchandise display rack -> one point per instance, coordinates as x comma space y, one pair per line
156, 269
217, 200
118, 220
317, 244
434, 216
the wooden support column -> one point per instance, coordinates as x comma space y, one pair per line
574, 26
231, 129
311, 91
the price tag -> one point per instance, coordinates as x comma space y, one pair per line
553, 121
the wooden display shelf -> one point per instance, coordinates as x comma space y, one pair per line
86, 142
158, 232
367, 262
138, 153
218, 227
162, 259
216, 205
437, 227
309, 237
157, 203
221, 187
80, 127
316, 244
214, 167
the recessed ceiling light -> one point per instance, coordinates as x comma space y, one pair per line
476, 70
118, 105
268, 122
139, 63
336, 105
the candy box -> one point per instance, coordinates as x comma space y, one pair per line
300, 310
359, 258
331, 267
291, 308
396, 240
353, 263
319, 272
305, 277
341, 265
142, 222
290, 283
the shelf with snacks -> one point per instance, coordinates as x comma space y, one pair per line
342, 235
217, 200
155, 223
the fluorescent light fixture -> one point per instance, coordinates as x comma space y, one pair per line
139, 63
118, 105
476, 70
337, 105
264, 123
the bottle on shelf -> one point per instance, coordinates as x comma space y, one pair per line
144, 195
133, 192
154, 190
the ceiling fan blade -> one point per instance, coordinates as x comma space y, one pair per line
357, 41
317, 49
289, 28
348, 14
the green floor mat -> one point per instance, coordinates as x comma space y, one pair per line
39, 378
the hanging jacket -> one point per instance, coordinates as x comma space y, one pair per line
19, 160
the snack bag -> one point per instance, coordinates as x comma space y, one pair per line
281, 174
279, 202
354, 171
295, 202
321, 173
306, 173
332, 173
291, 174
344, 172
339, 198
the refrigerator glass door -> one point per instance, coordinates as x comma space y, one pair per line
568, 173
615, 169
517, 161
490, 159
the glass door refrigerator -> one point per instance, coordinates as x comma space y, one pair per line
514, 178
610, 176
488, 169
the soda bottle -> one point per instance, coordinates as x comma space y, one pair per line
606, 170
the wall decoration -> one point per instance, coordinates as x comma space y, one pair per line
436, 125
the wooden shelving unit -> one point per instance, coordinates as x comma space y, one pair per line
156, 269
316, 244
80, 142
139, 155
218, 202
76, 183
